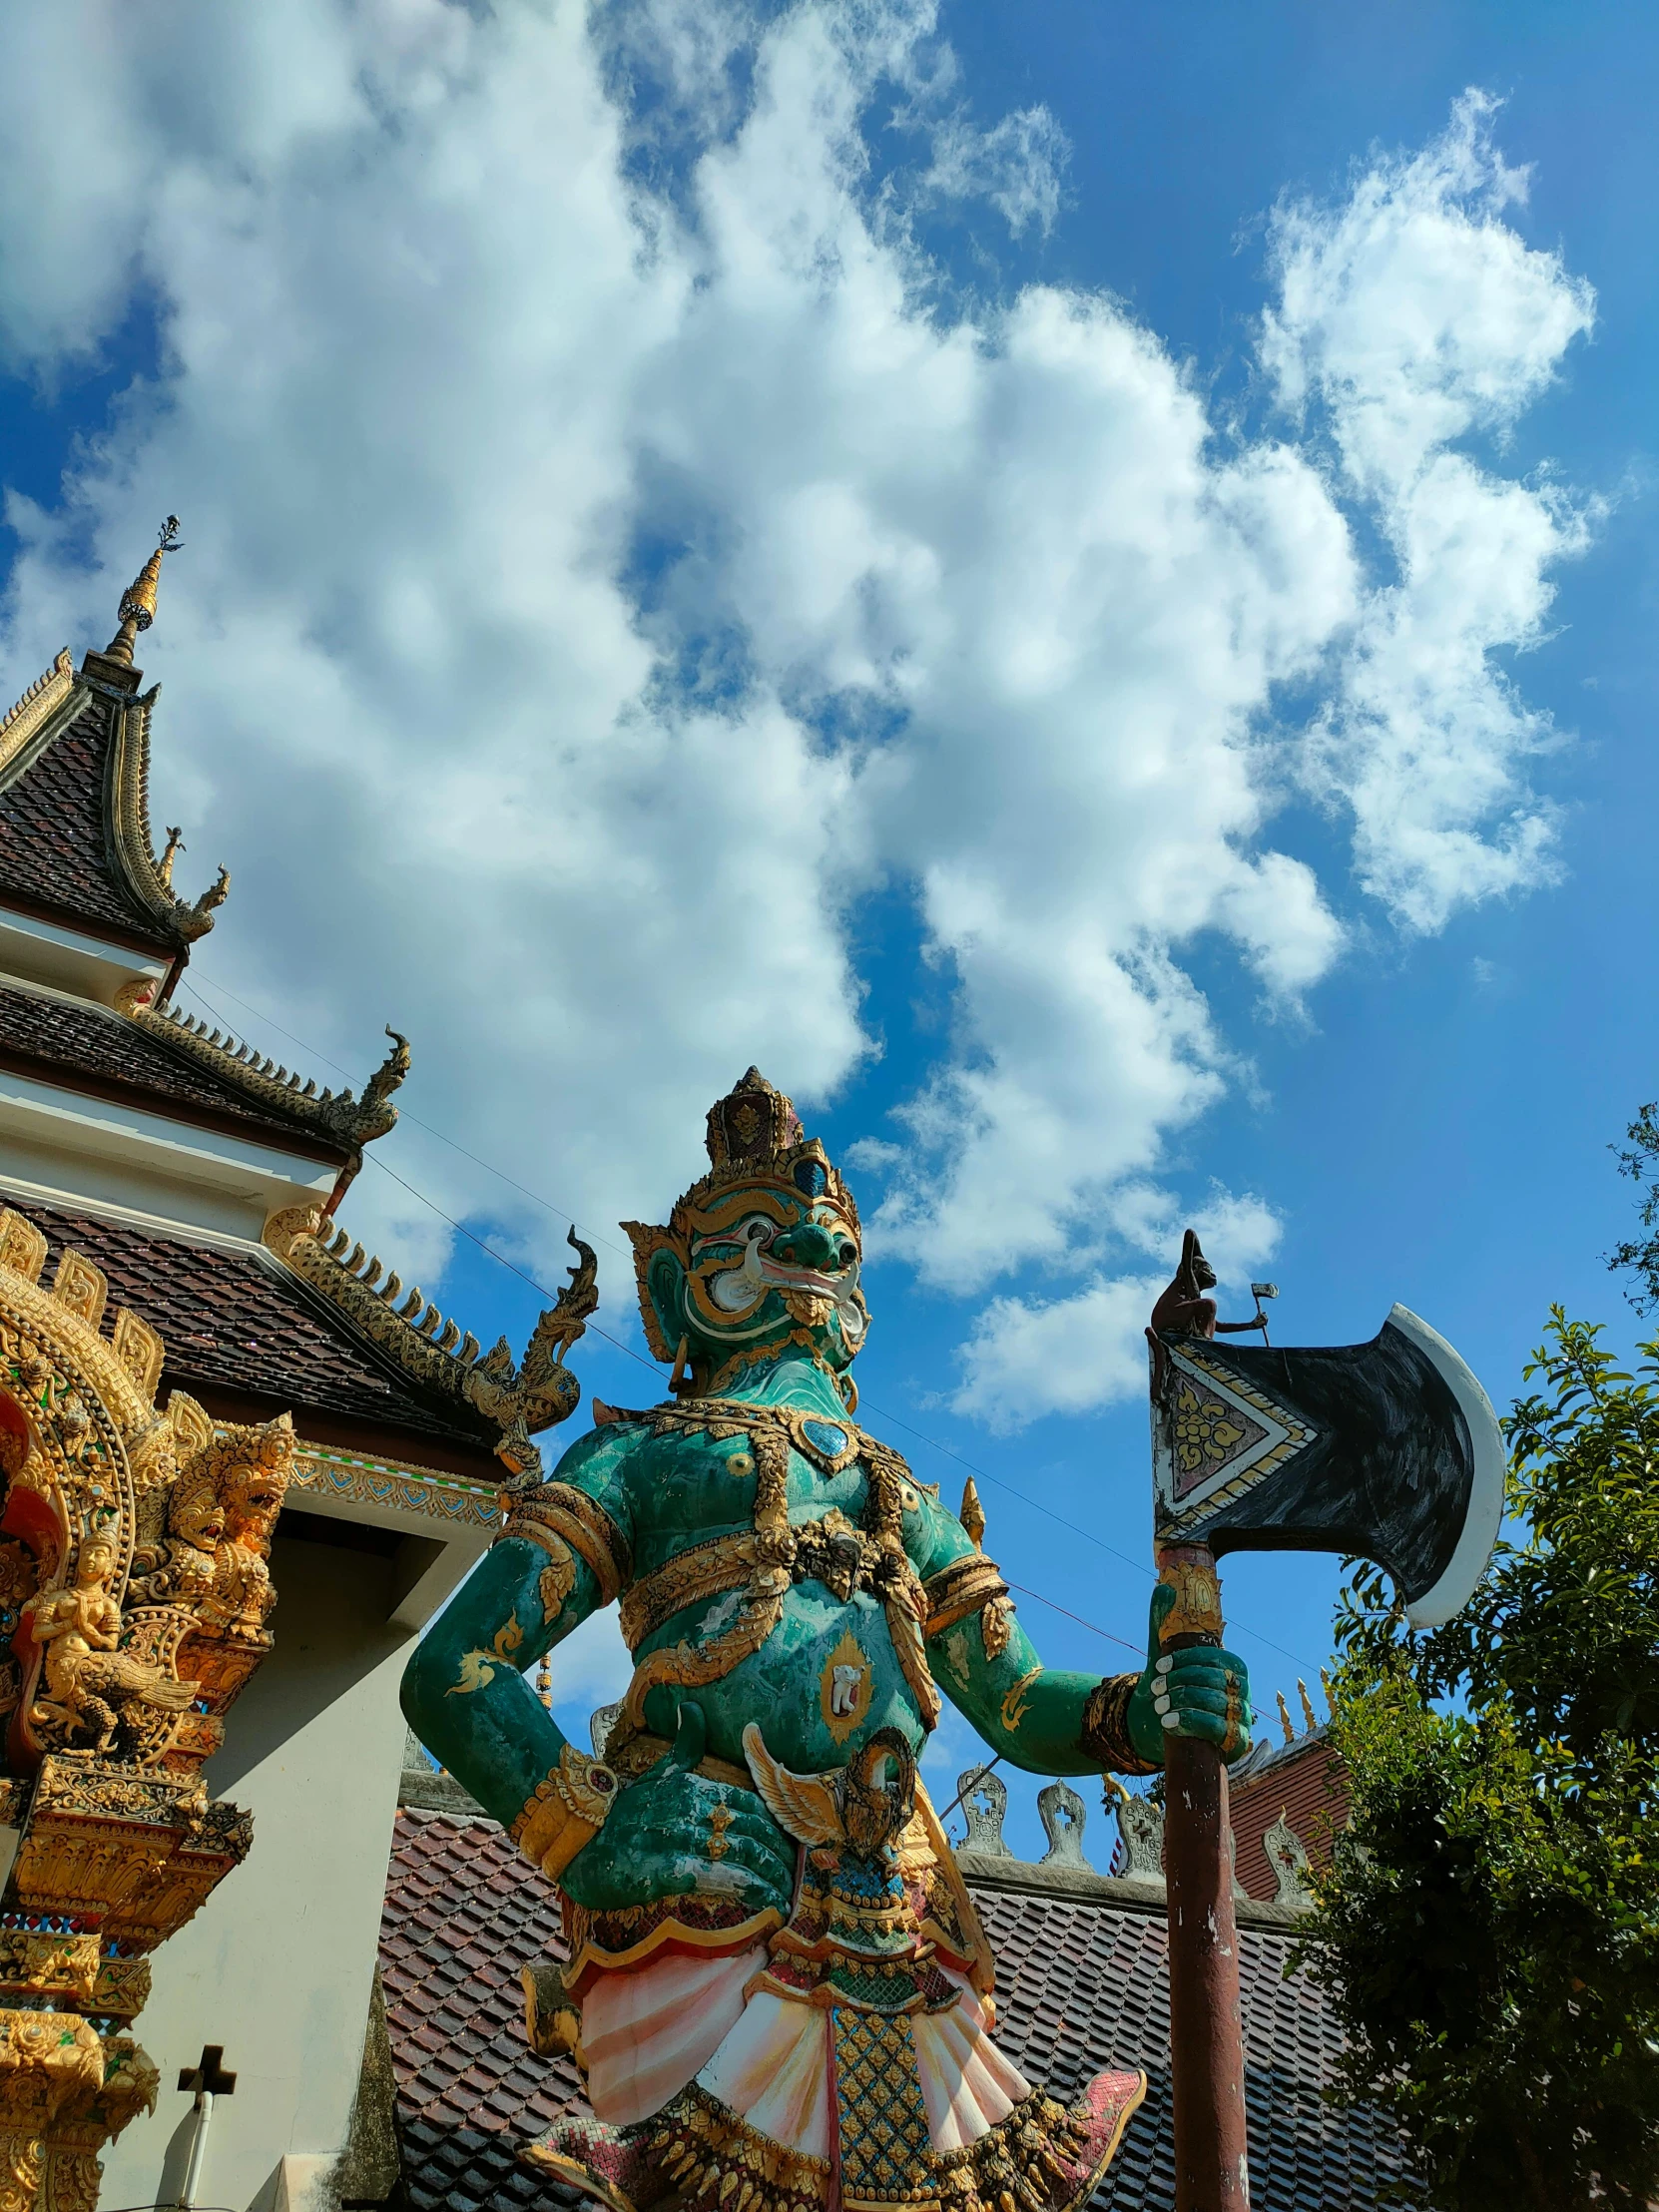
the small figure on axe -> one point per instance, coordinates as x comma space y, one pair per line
1184, 1306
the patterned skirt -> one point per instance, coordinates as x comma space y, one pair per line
844, 2059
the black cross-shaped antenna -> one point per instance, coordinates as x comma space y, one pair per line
209, 2075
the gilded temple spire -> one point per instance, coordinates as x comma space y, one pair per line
138, 601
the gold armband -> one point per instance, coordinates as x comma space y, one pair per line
970, 1584
1105, 1732
570, 1516
565, 1812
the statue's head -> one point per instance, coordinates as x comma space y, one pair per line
235, 1483
256, 1467
763, 1252
195, 1510
95, 1561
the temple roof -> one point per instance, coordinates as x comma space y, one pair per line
75, 852
86, 1046
241, 1328
1080, 1985
341, 1122
74, 843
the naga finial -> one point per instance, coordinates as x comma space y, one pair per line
138, 601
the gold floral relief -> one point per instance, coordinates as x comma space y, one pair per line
1014, 1703
557, 1579
80, 1287
22, 1245
478, 1668
1208, 1431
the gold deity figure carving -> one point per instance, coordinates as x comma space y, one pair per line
254, 1469
93, 1687
180, 1571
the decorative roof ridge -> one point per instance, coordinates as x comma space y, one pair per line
33, 724
27, 716
431, 1350
150, 880
1266, 1755
350, 1121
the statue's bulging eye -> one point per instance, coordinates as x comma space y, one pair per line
847, 1253
755, 1229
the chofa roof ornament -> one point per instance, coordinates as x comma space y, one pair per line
515, 1399
349, 1120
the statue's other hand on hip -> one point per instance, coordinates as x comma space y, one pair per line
675, 1830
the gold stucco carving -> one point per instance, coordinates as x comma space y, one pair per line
517, 1401
24, 721
135, 1590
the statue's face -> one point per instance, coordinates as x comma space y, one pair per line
257, 1498
769, 1259
94, 1562
198, 1516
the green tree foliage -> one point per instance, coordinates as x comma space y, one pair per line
1488, 1929
1639, 1159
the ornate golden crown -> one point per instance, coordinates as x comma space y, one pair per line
753, 1135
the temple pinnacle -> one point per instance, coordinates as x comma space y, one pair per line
138, 601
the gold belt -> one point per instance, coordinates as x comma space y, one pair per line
631, 1755
702, 1570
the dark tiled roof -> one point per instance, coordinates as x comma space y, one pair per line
238, 1321
54, 846
94, 1042
1079, 1985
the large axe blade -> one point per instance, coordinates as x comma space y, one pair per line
1387, 1451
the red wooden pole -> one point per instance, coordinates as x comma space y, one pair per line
1205, 2024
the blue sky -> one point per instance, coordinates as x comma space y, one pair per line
785, 536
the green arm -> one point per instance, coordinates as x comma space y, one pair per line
1033, 1716
1029, 1714
465, 1692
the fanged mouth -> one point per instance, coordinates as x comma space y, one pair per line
800, 1278
739, 1291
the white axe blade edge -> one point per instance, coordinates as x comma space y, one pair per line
1485, 1508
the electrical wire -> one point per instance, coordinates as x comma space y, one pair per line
1077, 1617
982, 1474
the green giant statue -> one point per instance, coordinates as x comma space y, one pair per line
777, 1988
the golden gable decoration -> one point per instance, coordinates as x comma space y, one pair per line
517, 1401
135, 1590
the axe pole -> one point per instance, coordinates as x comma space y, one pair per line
1205, 2026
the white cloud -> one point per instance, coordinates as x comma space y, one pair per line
1029, 1356
1413, 315
609, 558
1018, 165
